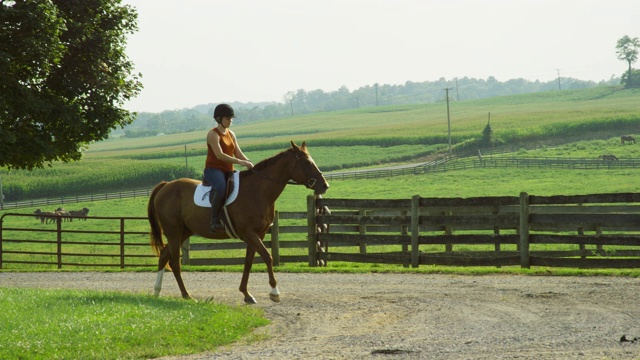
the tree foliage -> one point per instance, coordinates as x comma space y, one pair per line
627, 50
64, 77
487, 134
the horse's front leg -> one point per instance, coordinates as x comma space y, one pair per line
248, 262
274, 295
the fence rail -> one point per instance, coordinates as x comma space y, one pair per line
588, 231
59, 201
488, 231
444, 163
113, 242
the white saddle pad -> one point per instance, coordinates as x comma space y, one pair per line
201, 195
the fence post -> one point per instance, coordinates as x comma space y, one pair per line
525, 260
363, 231
275, 239
1, 254
415, 230
312, 235
59, 240
121, 243
404, 231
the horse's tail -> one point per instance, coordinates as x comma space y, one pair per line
156, 231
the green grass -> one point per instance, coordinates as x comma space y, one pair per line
45, 324
73, 324
461, 183
351, 139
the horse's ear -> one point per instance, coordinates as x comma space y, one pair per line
294, 146
304, 146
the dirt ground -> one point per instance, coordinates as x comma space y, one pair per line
407, 316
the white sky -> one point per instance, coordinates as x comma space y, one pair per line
194, 52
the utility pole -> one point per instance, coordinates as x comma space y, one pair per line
448, 119
559, 87
376, 94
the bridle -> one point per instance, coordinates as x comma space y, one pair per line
311, 181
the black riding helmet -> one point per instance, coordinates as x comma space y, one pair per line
223, 110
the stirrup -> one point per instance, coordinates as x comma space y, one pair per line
216, 226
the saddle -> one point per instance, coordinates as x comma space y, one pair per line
201, 194
201, 198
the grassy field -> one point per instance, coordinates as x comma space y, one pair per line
351, 139
364, 138
340, 140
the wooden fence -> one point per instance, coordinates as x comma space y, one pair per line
590, 231
121, 242
587, 231
62, 200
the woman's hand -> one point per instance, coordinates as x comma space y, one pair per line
247, 163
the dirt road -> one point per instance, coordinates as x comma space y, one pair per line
408, 316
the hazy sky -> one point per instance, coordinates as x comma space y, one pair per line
193, 52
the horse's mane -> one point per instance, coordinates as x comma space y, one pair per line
267, 162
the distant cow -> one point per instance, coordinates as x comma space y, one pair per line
608, 157
79, 213
46, 216
627, 138
64, 213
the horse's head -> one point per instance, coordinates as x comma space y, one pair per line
306, 172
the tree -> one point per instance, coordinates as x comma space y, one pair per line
64, 77
627, 50
487, 133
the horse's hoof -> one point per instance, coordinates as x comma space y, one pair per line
250, 300
274, 298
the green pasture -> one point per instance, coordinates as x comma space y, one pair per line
46, 324
512, 117
460, 183
354, 139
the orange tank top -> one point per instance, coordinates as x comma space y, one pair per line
228, 147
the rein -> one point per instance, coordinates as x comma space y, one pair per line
271, 179
310, 182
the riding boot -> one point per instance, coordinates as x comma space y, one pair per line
216, 204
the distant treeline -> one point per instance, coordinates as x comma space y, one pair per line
306, 102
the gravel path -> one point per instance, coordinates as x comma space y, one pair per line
407, 316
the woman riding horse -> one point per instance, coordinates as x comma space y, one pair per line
172, 210
222, 152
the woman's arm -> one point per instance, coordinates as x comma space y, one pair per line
213, 139
238, 152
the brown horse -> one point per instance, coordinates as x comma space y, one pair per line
627, 138
608, 157
172, 210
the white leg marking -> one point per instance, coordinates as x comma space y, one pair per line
274, 295
158, 285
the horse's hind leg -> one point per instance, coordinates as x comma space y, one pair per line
162, 263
